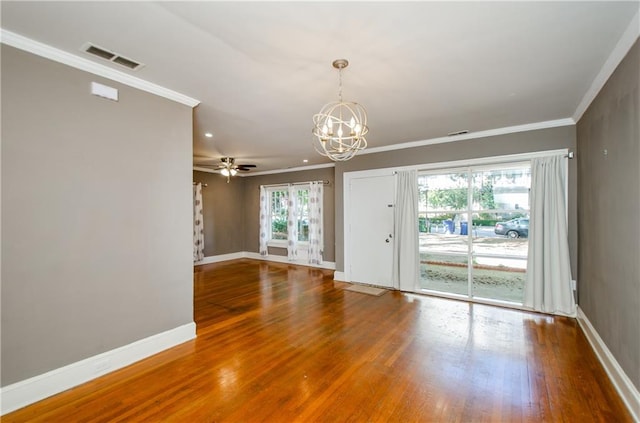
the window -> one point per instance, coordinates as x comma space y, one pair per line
278, 209
474, 225
278, 214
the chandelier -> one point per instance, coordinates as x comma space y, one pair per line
340, 127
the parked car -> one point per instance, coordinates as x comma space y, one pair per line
514, 228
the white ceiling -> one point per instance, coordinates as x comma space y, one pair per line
422, 69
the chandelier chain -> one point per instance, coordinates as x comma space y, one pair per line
340, 84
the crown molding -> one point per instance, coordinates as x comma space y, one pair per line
621, 49
205, 169
291, 169
23, 43
472, 135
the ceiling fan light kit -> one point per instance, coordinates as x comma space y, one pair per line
340, 127
229, 168
228, 172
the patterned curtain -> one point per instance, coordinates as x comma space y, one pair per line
198, 224
292, 223
316, 244
264, 222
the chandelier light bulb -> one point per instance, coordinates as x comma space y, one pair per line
225, 172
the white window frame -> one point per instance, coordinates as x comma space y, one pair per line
282, 243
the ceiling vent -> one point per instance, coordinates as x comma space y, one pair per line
111, 56
451, 134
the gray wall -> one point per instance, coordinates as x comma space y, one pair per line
522, 142
223, 209
609, 211
252, 207
96, 216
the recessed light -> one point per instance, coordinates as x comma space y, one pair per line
305, 161
208, 134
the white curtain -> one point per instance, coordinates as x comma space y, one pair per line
548, 282
405, 247
264, 221
292, 223
198, 223
316, 236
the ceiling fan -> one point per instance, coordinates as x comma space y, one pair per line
229, 168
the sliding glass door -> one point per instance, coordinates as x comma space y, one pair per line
474, 225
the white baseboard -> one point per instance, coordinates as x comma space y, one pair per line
628, 392
221, 257
283, 259
28, 391
278, 259
340, 276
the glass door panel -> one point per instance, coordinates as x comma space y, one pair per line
500, 232
473, 231
499, 278
444, 273
502, 189
444, 246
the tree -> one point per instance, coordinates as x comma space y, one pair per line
450, 198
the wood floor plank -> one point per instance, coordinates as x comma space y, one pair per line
284, 343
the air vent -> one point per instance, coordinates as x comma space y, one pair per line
126, 62
111, 56
451, 134
100, 52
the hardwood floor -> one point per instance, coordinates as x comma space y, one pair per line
280, 343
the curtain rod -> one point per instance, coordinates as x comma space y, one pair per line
204, 185
293, 183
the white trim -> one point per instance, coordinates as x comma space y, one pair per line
291, 169
480, 161
60, 56
621, 49
339, 276
283, 259
256, 256
473, 135
495, 160
25, 392
270, 172
219, 258
279, 243
204, 169
628, 392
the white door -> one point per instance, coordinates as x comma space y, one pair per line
371, 202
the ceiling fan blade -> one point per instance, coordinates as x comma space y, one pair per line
215, 166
